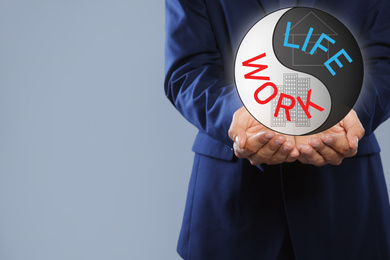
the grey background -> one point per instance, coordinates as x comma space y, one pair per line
94, 160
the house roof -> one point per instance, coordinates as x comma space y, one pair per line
311, 20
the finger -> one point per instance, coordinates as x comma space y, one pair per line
269, 149
253, 144
293, 155
311, 155
240, 138
266, 152
301, 157
258, 140
282, 153
339, 143
237, 134
328, 153
354, 129
300, 142
240, 152
238, 127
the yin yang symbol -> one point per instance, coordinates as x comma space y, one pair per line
298, 71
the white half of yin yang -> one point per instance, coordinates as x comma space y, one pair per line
257, 41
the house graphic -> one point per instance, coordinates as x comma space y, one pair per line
297, 35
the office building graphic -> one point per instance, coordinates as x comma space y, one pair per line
280, 120
293, 86
303, 86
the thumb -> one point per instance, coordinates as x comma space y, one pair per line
354, 129
238, 127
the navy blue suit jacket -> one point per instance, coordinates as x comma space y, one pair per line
237, 211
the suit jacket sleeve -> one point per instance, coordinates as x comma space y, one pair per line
373, 106
194, 71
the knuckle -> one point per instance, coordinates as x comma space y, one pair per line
345, 150
314, 162
230, 133
255, 159
263, 159
362, 133
249, 149
235, 114
332, 158
254, 163
262, 156
274, 160
322, 163
337, 162
266, 159
238, 154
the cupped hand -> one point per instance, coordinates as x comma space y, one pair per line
259, 144
332, 145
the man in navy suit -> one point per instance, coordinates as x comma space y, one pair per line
276, 196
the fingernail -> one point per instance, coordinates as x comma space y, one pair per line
235, 147
315, 144
309, 151
278, 142
328, 140
269, 136
287, 148
356, 141
237, 141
